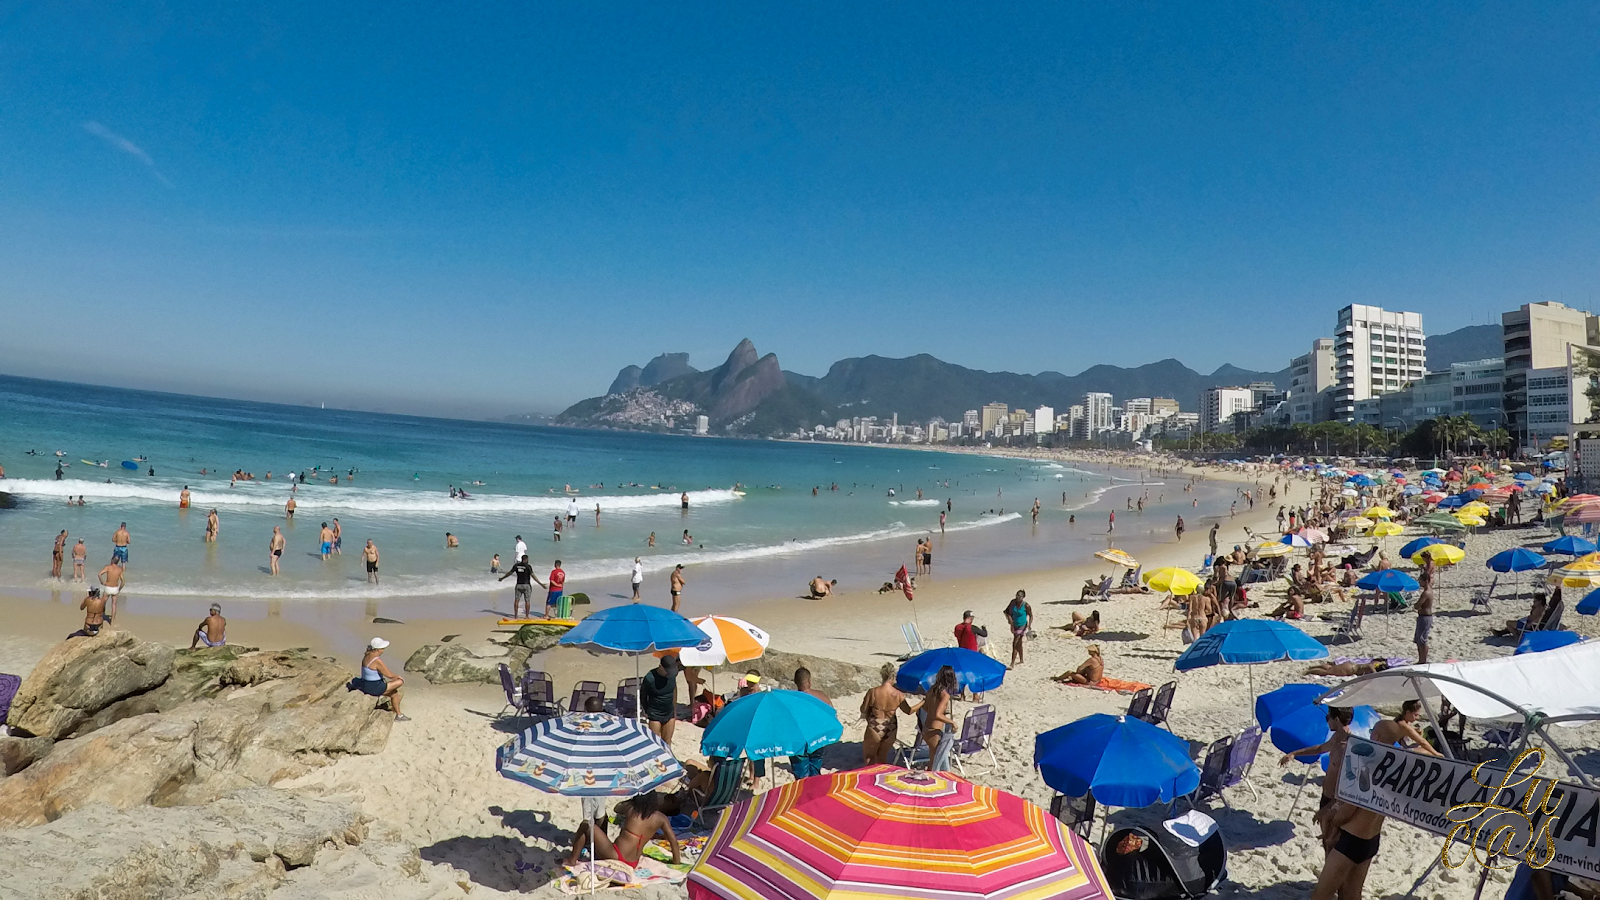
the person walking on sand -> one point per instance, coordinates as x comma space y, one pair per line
658, 697
80, 555
119, 545
326, 539
1019, 615
1424, 616
377, 681
1178, 528
112, 579
676, 582
1112, 524
59, 554
275, 548
638, 577
369, 554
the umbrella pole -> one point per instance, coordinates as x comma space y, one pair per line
1305, 777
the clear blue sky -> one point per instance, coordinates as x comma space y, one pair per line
488, 209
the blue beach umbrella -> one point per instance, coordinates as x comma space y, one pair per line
1454, 501
1361, 480
974, 671
1537, 641
1515, 560
1410, 550
1590, 604
1387, 581
1124, 761
1523, 476
1570, 545
1293, 719
1249, 641
588, 755
772, 723
635, 628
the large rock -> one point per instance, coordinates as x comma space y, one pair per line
239, 846
18, 753
126, 764
467, 662
831, 676
196, 675
82, 676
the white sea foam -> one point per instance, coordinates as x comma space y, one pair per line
924, 502
316, 498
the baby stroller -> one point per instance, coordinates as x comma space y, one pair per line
1181, 859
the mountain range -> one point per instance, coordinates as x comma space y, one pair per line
751, 394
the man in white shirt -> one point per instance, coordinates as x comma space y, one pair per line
572, 513
638, 577
521, 551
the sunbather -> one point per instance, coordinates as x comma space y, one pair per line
1092, 670
1095, 587
1333, 669
1084, 626
643, 821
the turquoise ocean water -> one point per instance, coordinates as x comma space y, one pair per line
763, 539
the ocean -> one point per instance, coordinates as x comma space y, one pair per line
756, 529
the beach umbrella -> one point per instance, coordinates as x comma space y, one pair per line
1119, 557
1469, 521
1388, 581
1590, 604
1293, 719
1579, 573
1386, 529
1294, 540
885, 833
1123, 760
634, 628
1411, 490
1359, 523
1539, 641
1440, 522
1314, 535
1361, 480
1570, 545
1379, 512
588, 755
1272, 548
1585, 514
772, 723
1349, 492
1411, 547
1173, 580
730, 641
1475, 508
1249, 641
1544, 488
975, 672
1454, 501
1523, 476
1441, 554
1515, 560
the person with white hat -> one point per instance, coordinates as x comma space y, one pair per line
376, 680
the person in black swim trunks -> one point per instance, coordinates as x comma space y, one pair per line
1352, 844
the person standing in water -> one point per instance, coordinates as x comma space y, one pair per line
59, 554
275, 548
212, 526
683, 501
326, 539
288, 510
80, 555
941, 522
338, 537
183, 498
677, 584
119, 546
369, 553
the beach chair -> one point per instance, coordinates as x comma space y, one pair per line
626, 703
1101, 592
1162, 706
582, 691
1481, 601
1241, 757
726, 775
1213, 768
977, 729
1077, 813
539, 695
513, 692
1139, 706
914, 642
1349, 626
1552, 617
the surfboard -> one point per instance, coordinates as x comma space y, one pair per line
130, 464
560, 623
88, 462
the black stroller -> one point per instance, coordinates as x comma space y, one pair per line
1166, 867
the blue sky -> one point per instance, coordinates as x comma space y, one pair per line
490, 210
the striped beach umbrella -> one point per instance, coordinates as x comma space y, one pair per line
1272, 548
1358, 523
588, 755
1579, 573
1378, 512
885, 833
728, 640
1120, 557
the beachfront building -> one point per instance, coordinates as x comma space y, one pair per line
1375, 351
1428, 398
1097, 407
1311, 384
992, 415
1475, 390
1044, 420
1179, 425
1161, 407
1548, 413
1218, 404
702, 425
971, 421
1077, 423
1536, 337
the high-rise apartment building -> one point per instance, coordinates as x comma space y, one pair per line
1477, 389
1375, 352
970, 420
1077, 422
1536, 336
1044, 420
1311, 380
1218, 404
1097, 407
993, 414
1161, 407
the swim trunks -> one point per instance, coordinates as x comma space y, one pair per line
327, 547
201, 635
278, 552
92, 630
372, 565
112, 591
552, 598
121, 553
1357, 850
1424, 628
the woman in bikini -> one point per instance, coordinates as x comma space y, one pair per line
644, 821
937, 720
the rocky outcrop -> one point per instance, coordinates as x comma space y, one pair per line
196, 675
82, 676
478, 662
627, 379
263, 717
665, 367
726, 375
18, 753
755, 383
831, 676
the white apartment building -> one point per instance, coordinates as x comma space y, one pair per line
971, 421
1310, 378
1077, 422
702, 425
1536, 337
1044, 420
1097, 408
1218, 404
1375, 352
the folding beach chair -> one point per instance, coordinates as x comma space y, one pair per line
1481, 601
1349, 627
1077, 813
914, 643
513, 692
1162, 706
582, 691
1213, 769
626, 703
1102, 591
726, 774
539, 695
1552, 617
1139, 705
977, 729
1241, 757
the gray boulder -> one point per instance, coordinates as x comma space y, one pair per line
18, 753
196, 675
831, 676
84, 675
467, 662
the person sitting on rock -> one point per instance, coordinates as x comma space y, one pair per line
377, 681
213, 630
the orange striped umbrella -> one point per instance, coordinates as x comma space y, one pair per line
886, 833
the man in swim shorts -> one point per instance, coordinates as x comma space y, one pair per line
326, 537
556, 587
212, 631
119, 543
677, 584
80, 555
522, 596
1353, 842
275, 548
369, 553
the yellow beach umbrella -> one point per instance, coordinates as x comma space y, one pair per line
1359, 523
1378, 512
1475, 508
1173, 580
1469, 521
1119, 557
1273, 548
1442, 555
1385, 529
1587, 558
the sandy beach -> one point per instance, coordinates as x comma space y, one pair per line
434, 787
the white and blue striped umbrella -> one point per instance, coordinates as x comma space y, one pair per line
588, 755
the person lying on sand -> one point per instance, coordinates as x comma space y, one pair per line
819, 588
1082, 625
1343, 669
1092, 670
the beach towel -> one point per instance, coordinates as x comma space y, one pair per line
690, 846
1114, 684
615, 875
1393, 661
